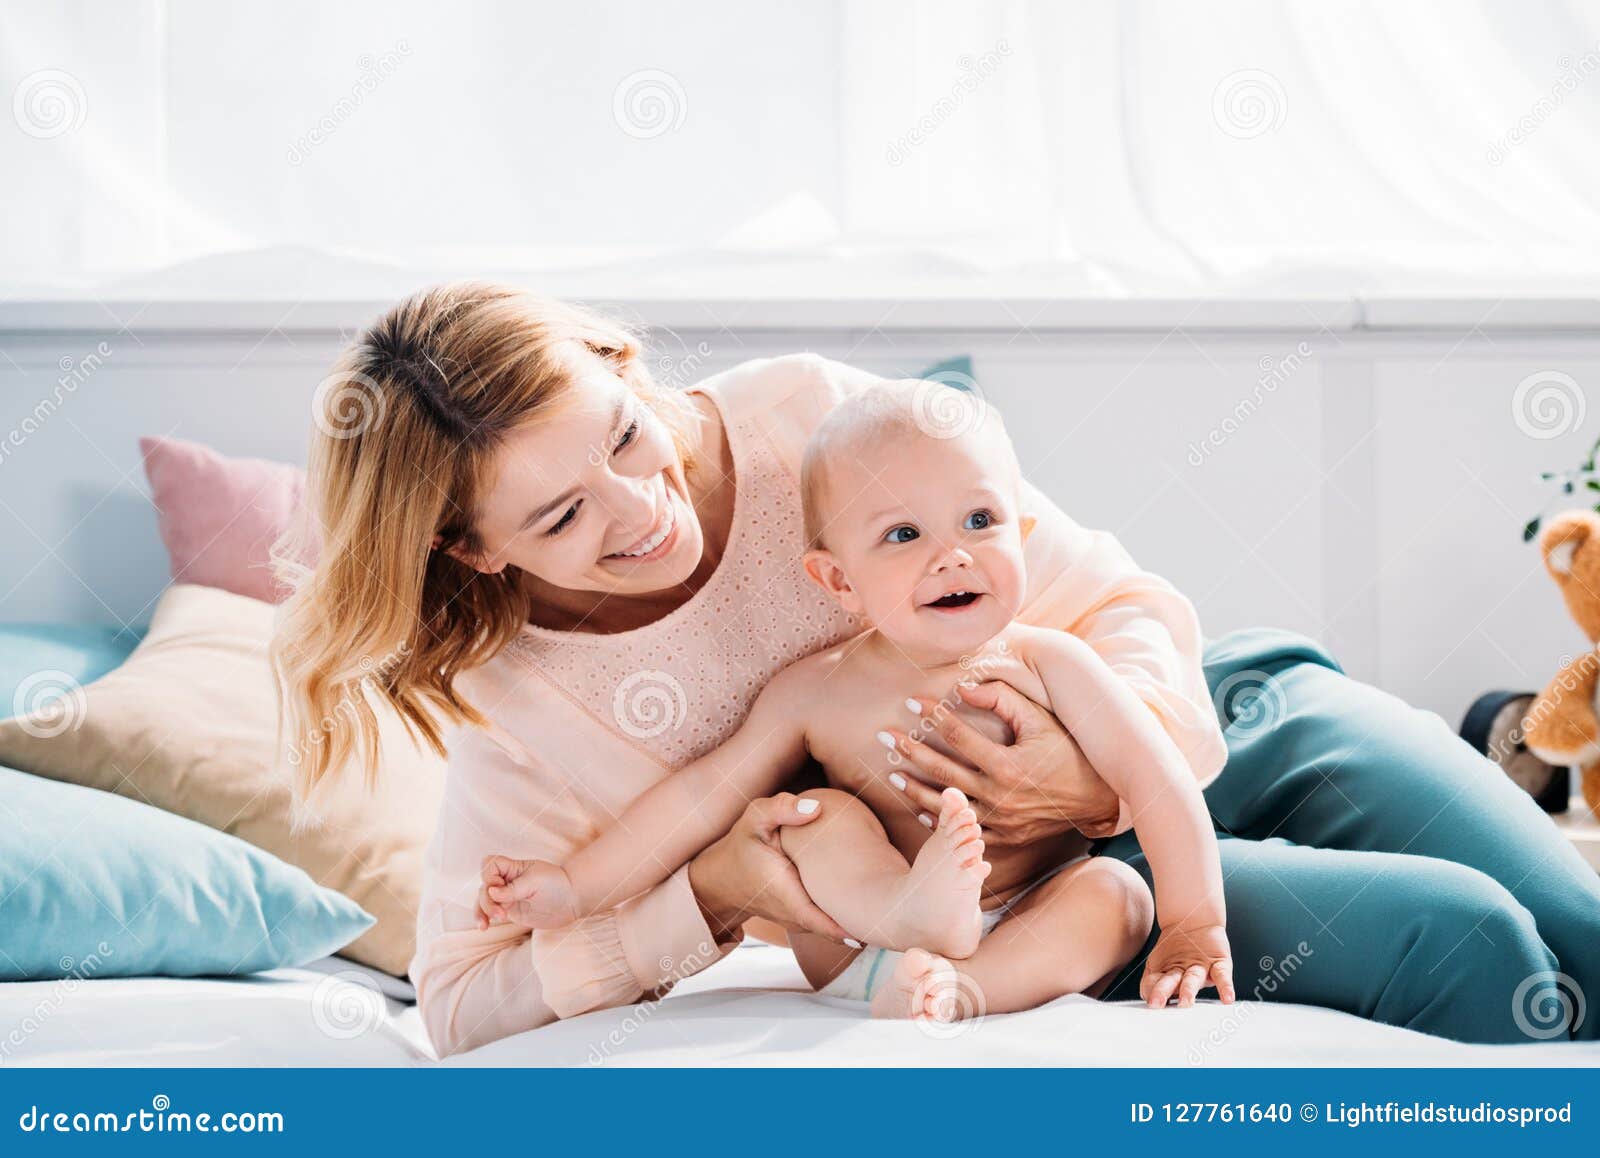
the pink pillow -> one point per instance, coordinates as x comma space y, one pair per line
219, 516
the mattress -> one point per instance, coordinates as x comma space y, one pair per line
332, 1014
752, 1009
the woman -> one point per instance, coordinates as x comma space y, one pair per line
595, 578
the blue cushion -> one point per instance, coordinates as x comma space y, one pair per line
956, 371
96, 885
80, 652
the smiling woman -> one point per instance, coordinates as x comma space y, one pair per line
558, 551
438, 403
599, 579
599, 505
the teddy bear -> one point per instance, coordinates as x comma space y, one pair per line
1562, 726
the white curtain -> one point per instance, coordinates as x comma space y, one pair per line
765, 148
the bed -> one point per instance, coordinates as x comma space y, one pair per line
750, 1010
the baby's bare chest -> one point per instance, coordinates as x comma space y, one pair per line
854, 756
844, 741
854, 711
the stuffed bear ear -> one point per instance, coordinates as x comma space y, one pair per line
1562, 538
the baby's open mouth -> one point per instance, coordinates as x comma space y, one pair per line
957, 599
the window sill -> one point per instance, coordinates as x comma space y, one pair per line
1000, 315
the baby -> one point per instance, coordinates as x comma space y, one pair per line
920, 533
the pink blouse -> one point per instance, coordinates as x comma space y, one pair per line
581, 724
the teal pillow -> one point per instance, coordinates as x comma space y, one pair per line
96, 885
42, 659
955, 372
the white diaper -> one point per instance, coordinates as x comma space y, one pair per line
873, 966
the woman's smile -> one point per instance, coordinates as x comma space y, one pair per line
658, 542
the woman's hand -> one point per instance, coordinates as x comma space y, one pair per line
1037, 787
746, 874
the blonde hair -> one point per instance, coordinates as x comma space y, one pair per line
870, 422
404, 434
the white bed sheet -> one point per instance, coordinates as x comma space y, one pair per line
288, 1017
751, 1010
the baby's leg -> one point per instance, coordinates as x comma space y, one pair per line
1070, 935
860, 880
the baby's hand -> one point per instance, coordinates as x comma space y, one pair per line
1186, 960
532, 893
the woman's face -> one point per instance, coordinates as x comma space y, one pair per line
592, 497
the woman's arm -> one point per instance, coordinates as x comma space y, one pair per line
668, 824
476, 986
1086, 583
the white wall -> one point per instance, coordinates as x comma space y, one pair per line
1374, 499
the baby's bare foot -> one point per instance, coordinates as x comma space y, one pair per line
923, 986
936, 905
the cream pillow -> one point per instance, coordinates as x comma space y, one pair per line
188, 723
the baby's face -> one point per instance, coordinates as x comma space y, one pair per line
926, 543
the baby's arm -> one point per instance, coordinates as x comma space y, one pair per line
664, 827
1125, 742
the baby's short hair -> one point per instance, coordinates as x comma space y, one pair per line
869, 420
